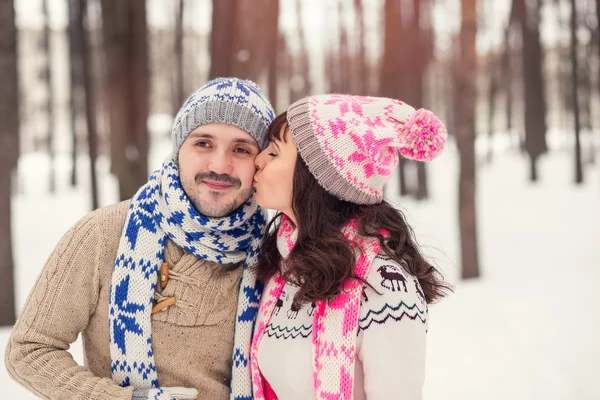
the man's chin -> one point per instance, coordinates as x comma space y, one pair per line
216, 204
217, 209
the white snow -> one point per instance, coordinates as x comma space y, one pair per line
527, 329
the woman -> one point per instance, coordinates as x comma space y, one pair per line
344, 311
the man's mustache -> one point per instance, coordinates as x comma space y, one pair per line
212, 176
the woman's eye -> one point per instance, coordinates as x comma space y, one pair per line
272, 154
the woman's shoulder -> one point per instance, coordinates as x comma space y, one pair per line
391, 293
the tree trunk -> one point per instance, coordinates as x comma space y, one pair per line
492, 94
221, 38
283, 67
49, 97
273, 53
251, 34
575, 87
595, 35
586, 86
9, 153
392, 67
179, 70
533, 174
90, 98
465, 110
343, 58
126, 56
507, 79
331, 39
76, 84
535, 103
423, 50
403, 188
362, 81
304, 67
422, 192
598, 32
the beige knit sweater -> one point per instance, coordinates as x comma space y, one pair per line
192, 340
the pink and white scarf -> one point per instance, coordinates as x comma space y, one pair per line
335, 323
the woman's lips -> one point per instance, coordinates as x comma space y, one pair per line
217, 185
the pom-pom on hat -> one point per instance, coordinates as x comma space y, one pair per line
351, 144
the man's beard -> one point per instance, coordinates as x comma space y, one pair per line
216, 209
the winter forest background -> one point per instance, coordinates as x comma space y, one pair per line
510, 212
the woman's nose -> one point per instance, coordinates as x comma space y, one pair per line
259, 162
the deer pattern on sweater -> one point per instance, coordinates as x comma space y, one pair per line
391, 296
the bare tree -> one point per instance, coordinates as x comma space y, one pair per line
361, 81
127, 88
575, 87
251, 34
9, 154
76, 84
273, 50
79, 10
493, 88
594, 31
179, 70
47, 46
586, 80
422, 49
598, 33
527, 14
507, 79
283, 67
343, 58
393, 69
465, 135
408, 50
330, 29
299, 67
224, 16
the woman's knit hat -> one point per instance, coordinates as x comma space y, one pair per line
231, 101
351, 143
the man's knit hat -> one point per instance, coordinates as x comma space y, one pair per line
231, 101
351, 144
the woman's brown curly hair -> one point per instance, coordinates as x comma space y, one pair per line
322, 258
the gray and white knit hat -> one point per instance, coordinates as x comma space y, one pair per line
231, 101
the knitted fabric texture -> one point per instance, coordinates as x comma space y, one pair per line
230, 101
335, 323
351, 144
161, 210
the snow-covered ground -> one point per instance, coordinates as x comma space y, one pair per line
524, 330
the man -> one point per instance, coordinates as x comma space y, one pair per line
152, 283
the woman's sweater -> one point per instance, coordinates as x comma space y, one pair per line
390, 356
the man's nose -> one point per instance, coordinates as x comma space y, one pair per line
221, 163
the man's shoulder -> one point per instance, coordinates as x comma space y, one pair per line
114, 213
109, 220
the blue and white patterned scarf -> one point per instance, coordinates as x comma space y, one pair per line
161, 210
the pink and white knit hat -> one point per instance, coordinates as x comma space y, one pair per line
351, 144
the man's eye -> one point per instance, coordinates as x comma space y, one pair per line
202, 144
241, 150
